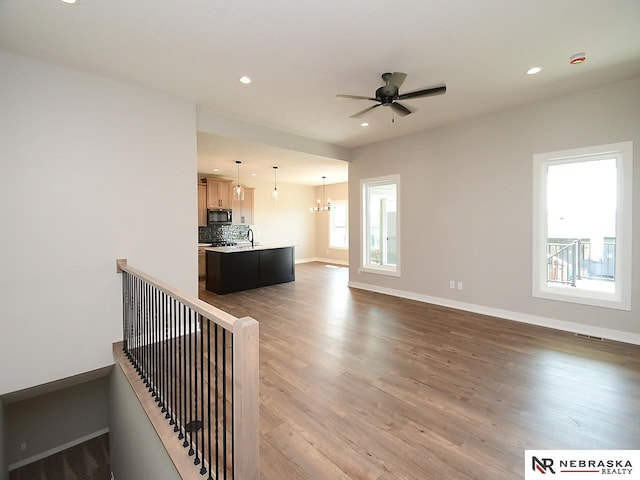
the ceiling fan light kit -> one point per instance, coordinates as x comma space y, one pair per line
389, 94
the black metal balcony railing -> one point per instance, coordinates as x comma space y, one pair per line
569, 260
200, 365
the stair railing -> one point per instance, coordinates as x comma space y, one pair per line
200, 364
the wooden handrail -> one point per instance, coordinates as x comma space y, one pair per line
218, 316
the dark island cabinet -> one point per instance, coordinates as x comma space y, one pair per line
245, 269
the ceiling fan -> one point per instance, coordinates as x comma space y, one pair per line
388, 95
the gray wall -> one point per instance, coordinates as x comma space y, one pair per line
59, 418
136, 450
466, 204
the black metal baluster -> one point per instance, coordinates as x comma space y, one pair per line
201, 321
233, 459
164, 358
125, 316
224, 402
152, 341
156, 352
217, 418
208, 398
138, 325
174, 381
179, 421
147, 339
195, 423
134, 320
168, 344
157, 378
188, 379
184, 374
159, 342
178, 369
145, 329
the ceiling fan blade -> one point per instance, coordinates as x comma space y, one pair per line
357, 97
362, 112
397, 78
400, 109
424, 93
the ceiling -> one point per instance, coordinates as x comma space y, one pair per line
217, 156
301, 54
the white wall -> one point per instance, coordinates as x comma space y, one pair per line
92, 170
466, 206
211, 122
287, 221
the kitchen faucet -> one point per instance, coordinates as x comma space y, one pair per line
250, 236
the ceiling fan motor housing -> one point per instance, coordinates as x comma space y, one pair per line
387, 94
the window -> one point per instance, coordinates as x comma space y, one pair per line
380, 225
338, 227
582, 225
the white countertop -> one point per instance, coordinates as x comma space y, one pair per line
246, 248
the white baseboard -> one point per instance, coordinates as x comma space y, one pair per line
57, 449
617, 335
305, 260
323, 260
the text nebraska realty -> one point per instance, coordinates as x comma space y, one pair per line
606, 467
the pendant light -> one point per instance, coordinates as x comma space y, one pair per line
321, 206
274, 193
238, 190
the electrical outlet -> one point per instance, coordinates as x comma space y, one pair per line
23, 446
459, 285
452, 284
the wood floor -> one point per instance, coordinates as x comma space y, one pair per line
359, 385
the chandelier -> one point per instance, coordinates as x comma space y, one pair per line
321, 206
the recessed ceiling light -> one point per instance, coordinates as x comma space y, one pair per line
246, 80
577, 59
69, 1
364, 124
215, 169
534, 70
253, 174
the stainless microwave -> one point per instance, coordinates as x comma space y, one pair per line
219, 216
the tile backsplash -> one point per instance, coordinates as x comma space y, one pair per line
222, 233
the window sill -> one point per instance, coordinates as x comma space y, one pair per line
380, 271
582, 297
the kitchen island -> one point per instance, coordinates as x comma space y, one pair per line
232, 269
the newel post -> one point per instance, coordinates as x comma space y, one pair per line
246, 421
